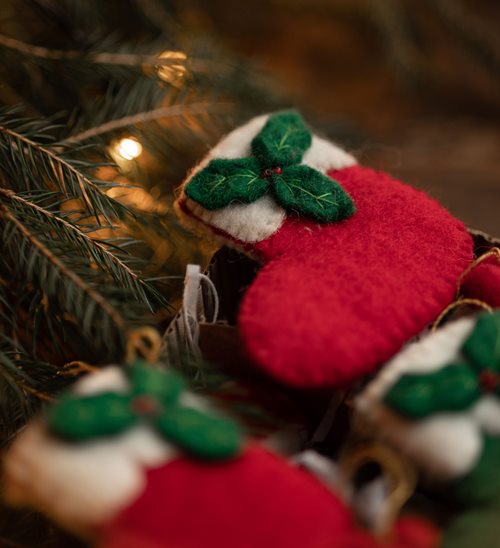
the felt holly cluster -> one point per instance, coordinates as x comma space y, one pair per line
154, 397
274, 168
456, 386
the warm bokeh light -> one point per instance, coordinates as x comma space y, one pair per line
128, 148
175, 72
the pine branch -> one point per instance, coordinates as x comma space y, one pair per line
131, 59
202, 66
58, 280
96, 251
6, 313
148, 116
34, 163
24, 383
34, 392
16, 406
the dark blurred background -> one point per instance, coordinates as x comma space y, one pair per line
412, 87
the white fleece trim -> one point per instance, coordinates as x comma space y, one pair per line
246, 222
257, 221
445, 445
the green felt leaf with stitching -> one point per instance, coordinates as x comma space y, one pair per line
225, 181
273, 169
282, 141
312, 194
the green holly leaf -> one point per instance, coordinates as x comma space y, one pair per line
452, 388
282, 141
81, 418
166, 386
482, 348
225, 181
312, 194
200, 434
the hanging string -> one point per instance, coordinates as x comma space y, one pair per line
214, 295
457, 304
399, 474
493, 252
192, 307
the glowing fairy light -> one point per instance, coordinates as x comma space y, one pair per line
175, 71
128, 148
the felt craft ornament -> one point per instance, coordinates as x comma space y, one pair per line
355, 263
439, 401
130, 458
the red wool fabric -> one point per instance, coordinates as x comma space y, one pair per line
483, 282
414, 532
335, 301
255, 500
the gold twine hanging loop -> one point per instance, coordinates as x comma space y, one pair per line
400, 475
457, 304
144, 342
493, 252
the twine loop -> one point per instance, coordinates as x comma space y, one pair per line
400, 475
76, 368
457, 304
493, 252
144, 342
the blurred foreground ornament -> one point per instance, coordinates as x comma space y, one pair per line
133, 486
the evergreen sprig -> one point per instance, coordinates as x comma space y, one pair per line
59, 278
31, 162
107, 254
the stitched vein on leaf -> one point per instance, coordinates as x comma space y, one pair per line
252, 176
220, 180
288, 132
319, 199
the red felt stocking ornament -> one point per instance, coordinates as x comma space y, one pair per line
355, 263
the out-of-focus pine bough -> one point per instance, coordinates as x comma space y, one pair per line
89, 243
